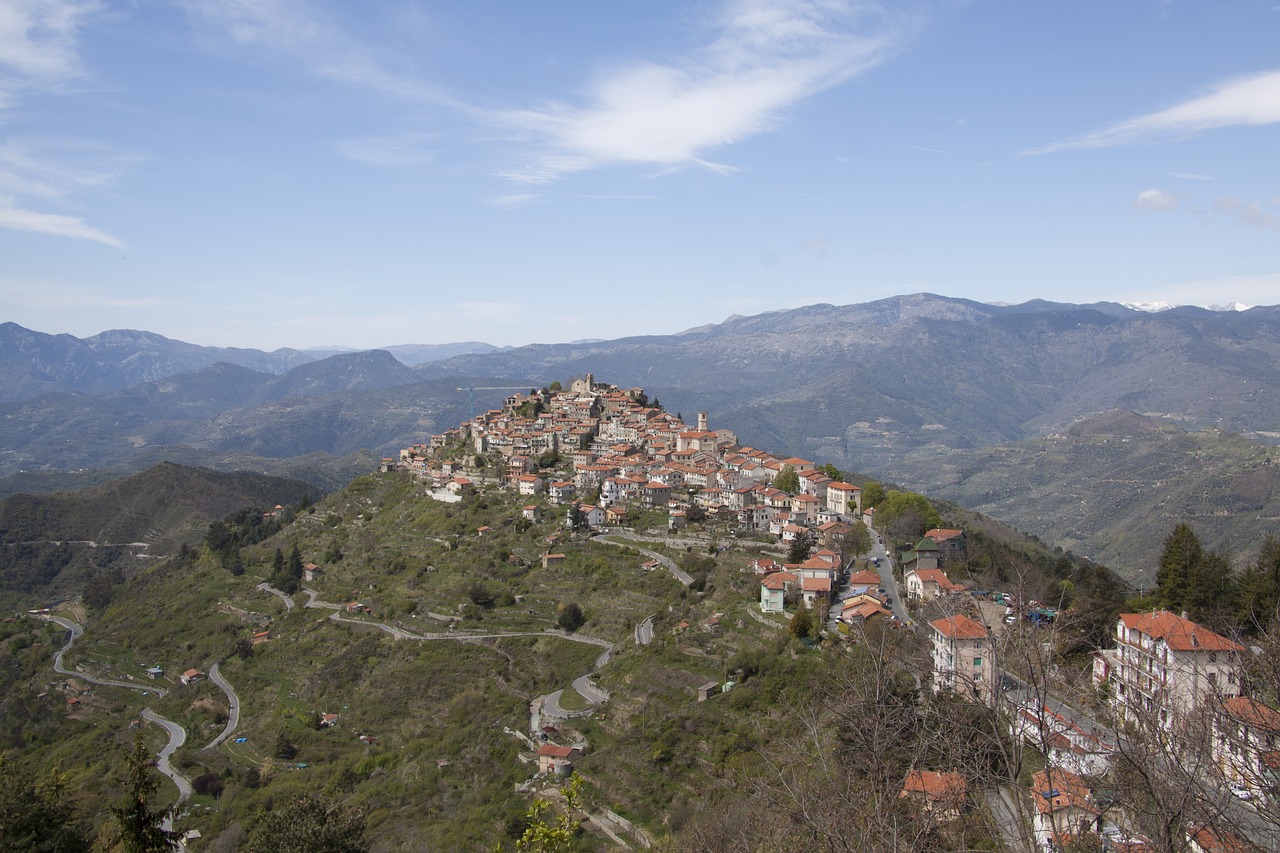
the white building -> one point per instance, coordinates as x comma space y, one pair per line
1166, 665
962, 650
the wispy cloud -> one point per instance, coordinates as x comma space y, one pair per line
39, 39
1249, 101
19, 219
1155, 200
39, 51
1190, 176
763, 56
1250, 214
294, 31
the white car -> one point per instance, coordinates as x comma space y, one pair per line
1241, 791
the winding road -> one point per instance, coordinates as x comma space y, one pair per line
233, 704
667, 563
177, 735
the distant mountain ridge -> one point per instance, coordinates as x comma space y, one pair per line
885, 388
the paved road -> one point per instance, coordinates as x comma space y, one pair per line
666, 562
177, 737
233, 715
76, 631
288, 599
887, 580
644, 632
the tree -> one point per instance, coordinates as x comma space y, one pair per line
872, 493
139, 827
832, 471
801, 623
1260, 588
35, 813
570, 616
1179, 559
284, 748
787, 480
800, 548
907, 515
542, 834
98, 591
859, 541
308, 825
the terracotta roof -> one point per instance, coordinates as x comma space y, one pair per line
1055, 789
555, 751
1217, 841
959, 628
865, 577
778, 580
817, 584
935, 786
1253, 713
1182, 635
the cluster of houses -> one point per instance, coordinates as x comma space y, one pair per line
1164, 671
622, 451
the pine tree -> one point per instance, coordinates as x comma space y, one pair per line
1179, 561
140, 828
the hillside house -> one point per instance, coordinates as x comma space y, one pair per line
529, 484
311, 572
532, 512
1246, 744
774, 588
950, 541
962, 651
925, 556
941, 794
552, 758
191, 676
925, 585
844, 499
1064, 807
1164, 666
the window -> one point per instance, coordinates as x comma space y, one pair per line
977, 662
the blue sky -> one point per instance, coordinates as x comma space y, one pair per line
269, 173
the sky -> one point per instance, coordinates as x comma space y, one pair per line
307, 173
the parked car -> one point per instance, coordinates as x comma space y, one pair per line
1241, 791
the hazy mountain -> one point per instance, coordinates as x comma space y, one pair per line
338, 406
887, 388
1114, 485
56, 539
34, 363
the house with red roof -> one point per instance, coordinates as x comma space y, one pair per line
774, 588
942, 794
962, 657
1164, 666
1246, 744
929, 584
1064, 808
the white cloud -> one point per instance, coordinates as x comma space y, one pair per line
1155, 200
1250, 214
292, 30
1249, 101
1190, 176
765, 56
19, 219
38, 38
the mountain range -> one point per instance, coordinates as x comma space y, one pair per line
947, 395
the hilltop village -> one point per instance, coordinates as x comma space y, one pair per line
1161, 672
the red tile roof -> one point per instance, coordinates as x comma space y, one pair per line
935, 786
1182, 635
959, 628
1253, 713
